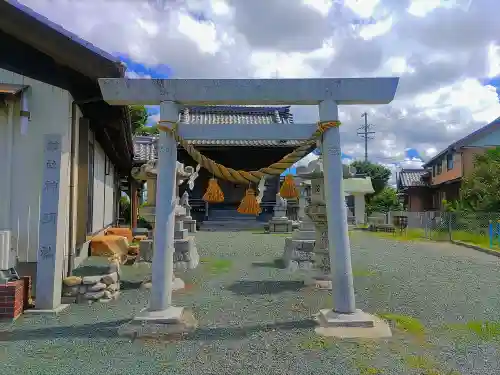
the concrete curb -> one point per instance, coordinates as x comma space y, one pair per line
478, 248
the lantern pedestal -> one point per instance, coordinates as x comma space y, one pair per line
298, 252
185, 255
321, 256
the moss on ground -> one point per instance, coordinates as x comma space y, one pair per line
484, 330
406, 323
216, 265
316, 343
360, 272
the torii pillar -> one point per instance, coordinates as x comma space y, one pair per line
343, 320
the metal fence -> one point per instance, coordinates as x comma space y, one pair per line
464, 226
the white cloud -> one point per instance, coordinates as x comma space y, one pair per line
305, 160
441, 51
132, 74
220, 7
494, 60
322, 6
203, 34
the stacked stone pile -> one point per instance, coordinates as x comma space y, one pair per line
91, 288
99, 288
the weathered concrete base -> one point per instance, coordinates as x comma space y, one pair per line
146, 251
159, 324
322, 282
298, 254
140, 232
178, 284
55, 311
186, 255
280, 225
356, 325
296, 266
189, 224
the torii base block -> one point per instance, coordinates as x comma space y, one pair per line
356, 325
160, 324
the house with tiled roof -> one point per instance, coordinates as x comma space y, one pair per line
238, 154
441, 177
413, 184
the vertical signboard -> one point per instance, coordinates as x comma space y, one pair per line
49, 260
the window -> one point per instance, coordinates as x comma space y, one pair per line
439, 168
449, 161
433, 171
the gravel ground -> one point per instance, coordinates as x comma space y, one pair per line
255, 317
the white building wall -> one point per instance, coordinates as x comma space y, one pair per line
104, 186
109, 190
50, 109
98, 206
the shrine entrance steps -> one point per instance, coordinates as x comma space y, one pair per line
224, 220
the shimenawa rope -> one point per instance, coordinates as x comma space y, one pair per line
248, 177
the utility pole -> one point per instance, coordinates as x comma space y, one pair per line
365, 132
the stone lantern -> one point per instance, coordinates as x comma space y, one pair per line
185, 255
316, 211
299, 248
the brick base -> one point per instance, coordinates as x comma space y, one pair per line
12, 299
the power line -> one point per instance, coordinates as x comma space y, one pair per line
365, 132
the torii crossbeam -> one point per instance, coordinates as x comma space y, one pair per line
327, 93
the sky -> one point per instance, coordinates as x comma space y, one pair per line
447, 53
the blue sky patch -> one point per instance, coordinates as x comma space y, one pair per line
157, 71
495, 82
411, 153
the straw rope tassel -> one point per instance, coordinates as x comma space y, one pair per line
249, 204
214, 193
288, 189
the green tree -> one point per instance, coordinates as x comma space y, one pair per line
385, 201
138, 117
481, 190
148, 130
124, 209
378, 173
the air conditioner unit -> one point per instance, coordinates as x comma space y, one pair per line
7, 253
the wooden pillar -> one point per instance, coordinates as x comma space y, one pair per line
134, 204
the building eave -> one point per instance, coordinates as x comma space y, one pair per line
64, 47
34, 47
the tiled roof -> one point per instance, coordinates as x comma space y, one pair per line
145, 146
236, 115
412, 178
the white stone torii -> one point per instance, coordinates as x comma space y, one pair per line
327, 93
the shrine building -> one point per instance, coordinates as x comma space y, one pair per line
237, 154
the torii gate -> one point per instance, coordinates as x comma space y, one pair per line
327, 93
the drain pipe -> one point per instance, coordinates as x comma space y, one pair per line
72, 200
7, 178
